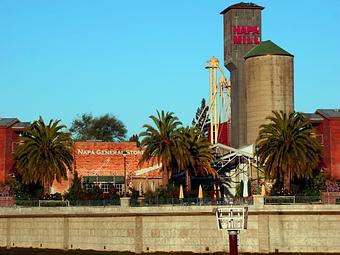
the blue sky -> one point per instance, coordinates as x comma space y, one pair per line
62, 58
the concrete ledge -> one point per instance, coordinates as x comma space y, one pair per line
125, 202
112, 211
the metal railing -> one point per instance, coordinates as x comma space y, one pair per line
53, 203
65, 203
144, 202
282, 200
140, 202
278, 200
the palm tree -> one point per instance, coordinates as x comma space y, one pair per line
286, 147
159, 142
44, 154
194, 154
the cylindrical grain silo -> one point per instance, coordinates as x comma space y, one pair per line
269, 85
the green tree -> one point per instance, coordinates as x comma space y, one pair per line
106, 128
158, 142
202, 121
44, 154
135, 138
286, 147
75, 192
194, 154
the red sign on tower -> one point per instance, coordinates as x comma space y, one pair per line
246, 34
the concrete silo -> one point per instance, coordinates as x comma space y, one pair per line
269, 84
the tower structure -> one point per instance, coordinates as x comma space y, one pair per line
219, 104
242, 31
269, 84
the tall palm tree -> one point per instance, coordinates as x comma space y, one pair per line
44, 154
286, 147
158, 142
195, 154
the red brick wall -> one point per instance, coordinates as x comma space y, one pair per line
2, 153
320, 127
330, 130
334, 127
106, 159
326, 147
7, 137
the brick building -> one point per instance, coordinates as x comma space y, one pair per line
10, 129
98, 163
327, 125
104, 164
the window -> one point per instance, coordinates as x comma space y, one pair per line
119, 188
105, 187
88, 187
14, 146
319, 137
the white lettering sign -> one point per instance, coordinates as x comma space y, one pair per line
87, 152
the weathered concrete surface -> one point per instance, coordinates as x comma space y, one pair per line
235, 63
289, 228
270, 87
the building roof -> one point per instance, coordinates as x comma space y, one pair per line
329, 113
242, 5
7, 122
266, 48
21, 125
13, 123
313, 116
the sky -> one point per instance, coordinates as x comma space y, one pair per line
59, 59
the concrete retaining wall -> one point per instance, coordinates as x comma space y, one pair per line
286, 228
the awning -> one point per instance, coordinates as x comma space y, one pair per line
101, 178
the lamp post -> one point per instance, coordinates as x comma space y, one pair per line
125, 181
232, 219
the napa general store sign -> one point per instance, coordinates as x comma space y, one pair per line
100, 152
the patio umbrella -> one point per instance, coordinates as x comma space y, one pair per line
181, 195
263, 190
214, 191
245, 188
140, 189
218, 191
200, 192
